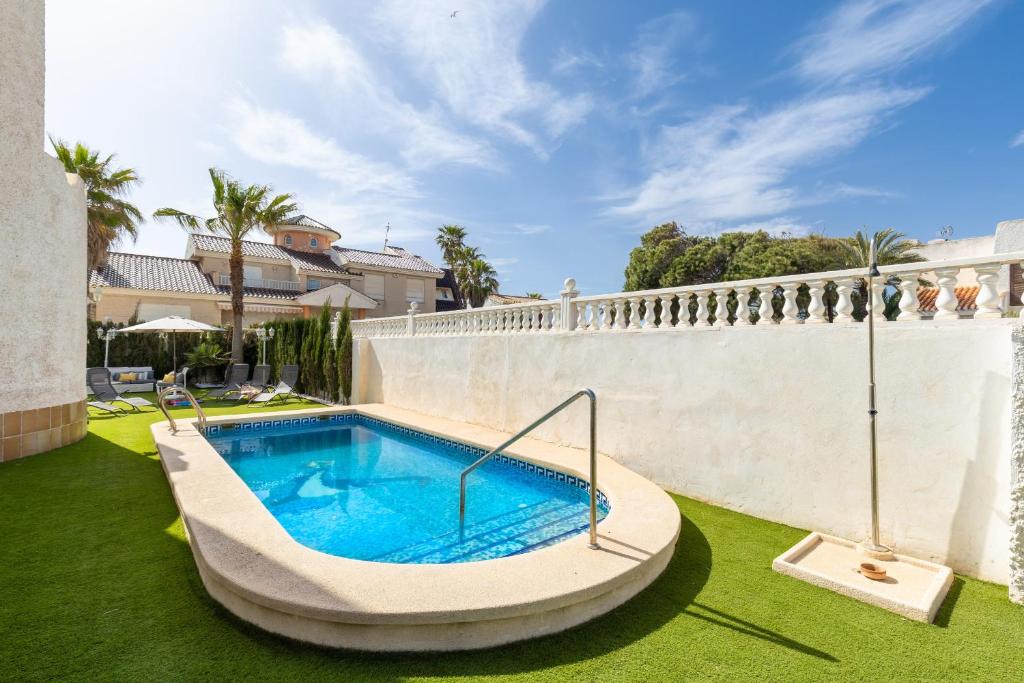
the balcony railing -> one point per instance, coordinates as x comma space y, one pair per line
287, 285
834, 297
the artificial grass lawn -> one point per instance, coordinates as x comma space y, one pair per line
98, 582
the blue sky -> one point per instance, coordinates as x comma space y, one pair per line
556, 132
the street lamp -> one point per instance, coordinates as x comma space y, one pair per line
106, 336
262, 333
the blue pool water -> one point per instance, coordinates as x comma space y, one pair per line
358, 487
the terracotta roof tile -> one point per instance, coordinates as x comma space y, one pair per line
300, 259
965, 298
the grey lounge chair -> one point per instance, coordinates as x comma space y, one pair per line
260, 381
284, 389
108, 407
98, 380
232, 383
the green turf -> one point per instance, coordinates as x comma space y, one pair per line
97, 582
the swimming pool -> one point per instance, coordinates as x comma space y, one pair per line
361, 488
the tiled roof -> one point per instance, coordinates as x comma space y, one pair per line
965, 298
160, 273
400, 259
302, 260
261, 293
303, 219
135, 271
503, 299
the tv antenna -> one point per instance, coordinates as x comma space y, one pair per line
387, 232
946, 232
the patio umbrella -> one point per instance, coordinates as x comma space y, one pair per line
172, 324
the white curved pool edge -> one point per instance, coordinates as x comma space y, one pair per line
250, 564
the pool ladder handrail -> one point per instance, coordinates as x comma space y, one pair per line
191, 399
520, 434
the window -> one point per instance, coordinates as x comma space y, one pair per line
414, 290
312, 241
373, 286
287, 240
312, 283
251, 273
154, 311
444, 294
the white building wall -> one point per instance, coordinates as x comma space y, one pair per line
42, 220
768, 420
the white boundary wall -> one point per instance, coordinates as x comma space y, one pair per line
768, 419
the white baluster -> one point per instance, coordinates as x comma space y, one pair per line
620, 314
844, 304
634, 313
909, 304
816, 307
581, 316
765, 309
742, 306
790, 310
702, 310
649, 303
683, 315
665, 313
722, 307
946, 300
988, 299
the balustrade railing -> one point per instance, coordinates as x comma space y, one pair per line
808, 299
287, 285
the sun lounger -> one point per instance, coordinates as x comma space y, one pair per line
98, 380
236, 376
108, 407
284, 389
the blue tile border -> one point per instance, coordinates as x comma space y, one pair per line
357, 418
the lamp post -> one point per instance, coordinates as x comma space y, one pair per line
106, 335
263, 333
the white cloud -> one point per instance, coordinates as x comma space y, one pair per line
316, 51
1019, 140
781, 225
471, 63
734, 164
568, 62
530, 228
274, 137
653, 57
868, 37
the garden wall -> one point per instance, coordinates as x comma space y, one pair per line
770, 420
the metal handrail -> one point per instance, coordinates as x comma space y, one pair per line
548, 415
191, 399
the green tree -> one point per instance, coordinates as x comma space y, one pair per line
109, 216
345, 364
534, 295
890, 247
450, 239
480, 281
658, 248
239, 211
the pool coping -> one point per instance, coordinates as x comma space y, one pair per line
253, 567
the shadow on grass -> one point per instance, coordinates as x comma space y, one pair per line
946, 611
747, 628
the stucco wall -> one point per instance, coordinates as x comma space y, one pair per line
42, 220
769, 421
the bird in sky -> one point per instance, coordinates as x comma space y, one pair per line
454, 13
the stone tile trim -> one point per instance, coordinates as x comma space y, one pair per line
37, 430
1017, 471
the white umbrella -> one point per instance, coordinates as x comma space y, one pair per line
172, 324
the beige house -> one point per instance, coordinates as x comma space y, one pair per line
293, 276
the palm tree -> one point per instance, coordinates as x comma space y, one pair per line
480, 280
109, 217
890, 247
450, 239
534, 295
240, 209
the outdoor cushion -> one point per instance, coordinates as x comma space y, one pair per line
169, 378
127, 377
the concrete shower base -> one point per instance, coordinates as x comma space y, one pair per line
912, 588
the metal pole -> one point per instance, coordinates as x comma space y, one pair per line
593, 470
875, 545
106, 350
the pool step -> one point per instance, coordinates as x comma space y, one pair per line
526, 528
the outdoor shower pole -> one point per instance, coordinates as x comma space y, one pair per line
875, 544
